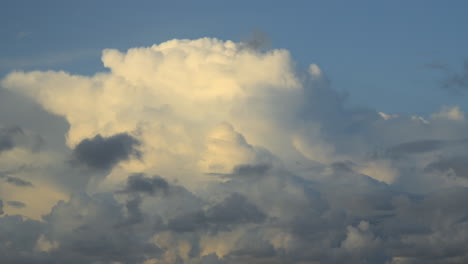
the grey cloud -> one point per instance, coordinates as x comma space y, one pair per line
7, 137
234, 210
18, 181
16, 204
458, 165
457, 82
258, 40
1, 207
89, 229
103, 153
251, 170
139, 183
133, 209
18, 236
419, 146
33, 119
454, 82
246, 171
95, 228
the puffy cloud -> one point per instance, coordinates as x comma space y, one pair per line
210, 151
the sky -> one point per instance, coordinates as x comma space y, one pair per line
160, 132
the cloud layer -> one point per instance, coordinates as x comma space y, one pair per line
210, 151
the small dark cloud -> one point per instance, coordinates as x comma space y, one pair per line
246, 170
437, 66
16, 204
257, 40
458, 164
417, 147
138, 183
103, 153
18, 181
135, 216
454, 82
342, 166
249, 169
234, 210
7, 137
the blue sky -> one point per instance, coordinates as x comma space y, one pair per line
377, 51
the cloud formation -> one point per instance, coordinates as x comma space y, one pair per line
103, 153
209, 151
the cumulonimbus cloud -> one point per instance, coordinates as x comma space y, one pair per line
259, 162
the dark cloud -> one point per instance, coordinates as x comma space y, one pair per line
7, 137
246, 171
1, 207
454, 82
457, 165
416, 147
457, 82
25, 113
251, 170
234, 210
16, 204
257, 40
90, 230
18, 181
139, 183
103, 153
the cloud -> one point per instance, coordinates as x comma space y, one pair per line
457, 82
16, 204
103, 153
18, 182
456, 165
419, 146
7, 138
211, 151
138, 183
453, 82
234, 210
449, 112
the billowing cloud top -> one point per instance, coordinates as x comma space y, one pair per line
210, 151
